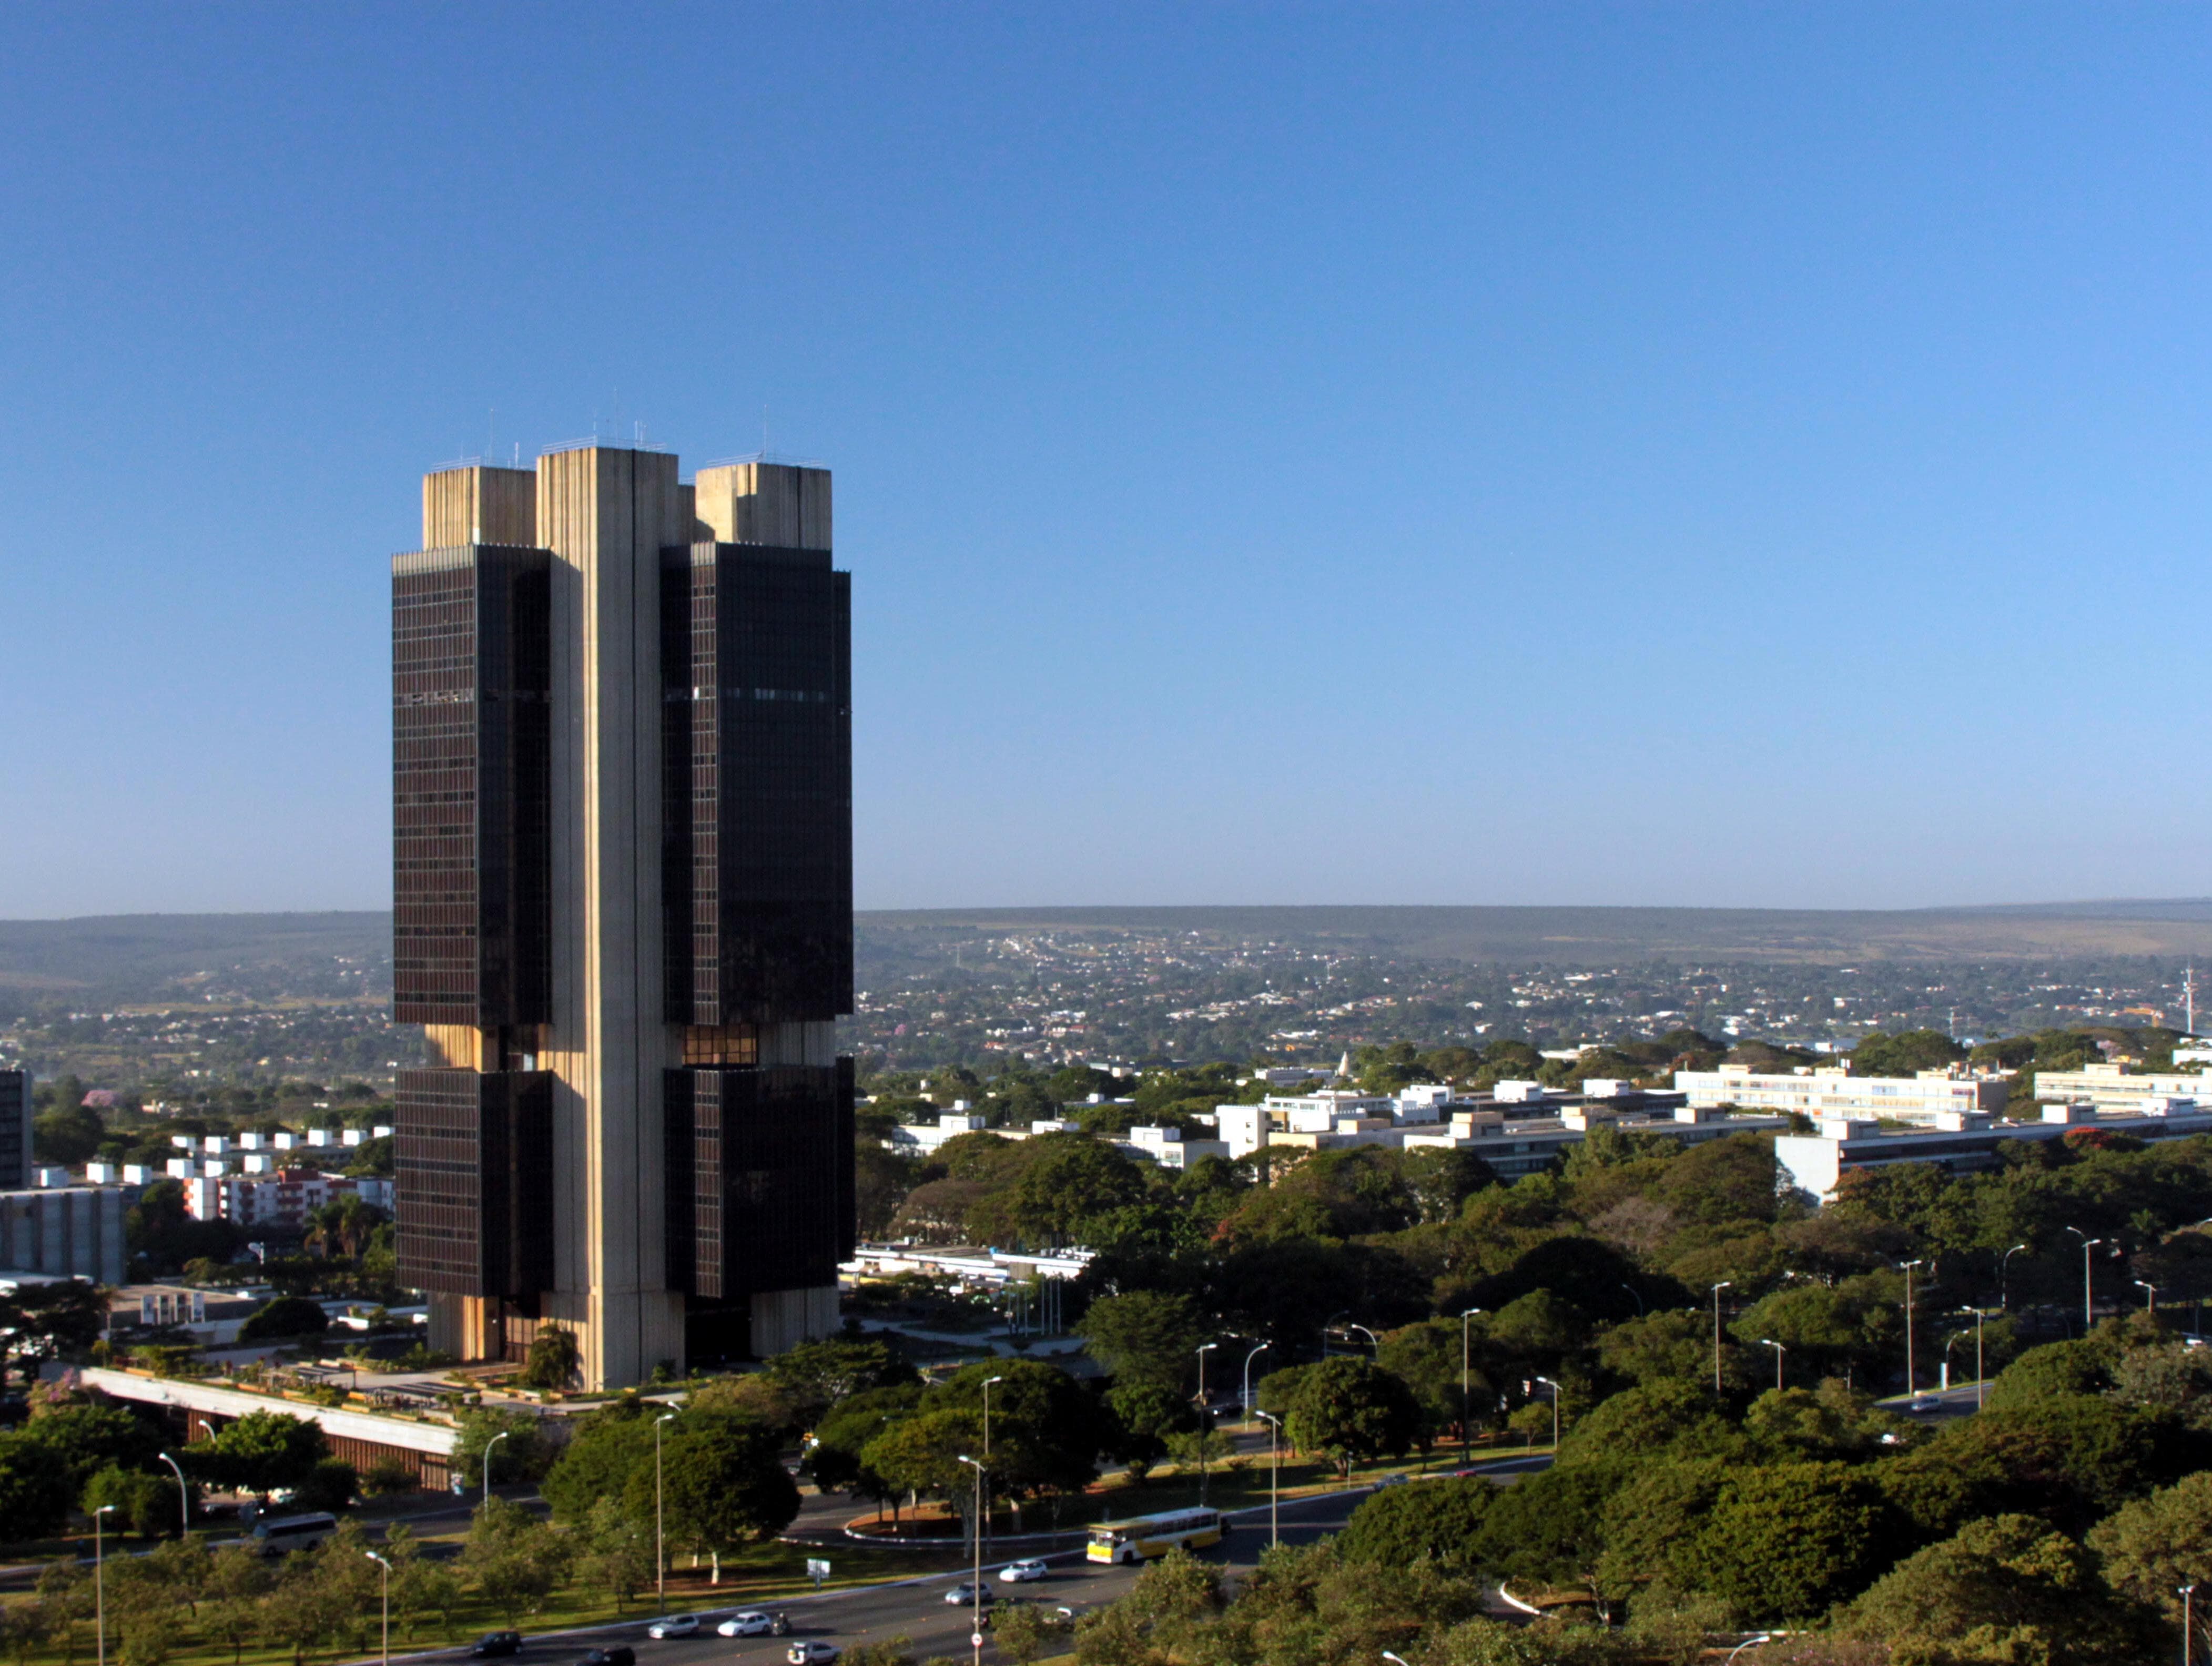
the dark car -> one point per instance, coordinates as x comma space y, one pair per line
496, 1643
620, 1654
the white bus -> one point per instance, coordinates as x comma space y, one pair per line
281, 1533
1154, 1535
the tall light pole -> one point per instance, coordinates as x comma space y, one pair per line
1245, 1404
1912, 1376
99, 1581
987, 1412
986, 1427
1466, 1405
2004, 1277
488, 1444
184, 1498
660, 1519
386, 1581
2188, 1595
975, 1590
2150, 1296
1717, 1288
1981, 1376
1779, 1351
2089, 1280
1204, 1349
1274, 1474
1374, 1341
1554, 1387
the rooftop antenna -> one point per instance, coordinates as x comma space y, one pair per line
2188, 995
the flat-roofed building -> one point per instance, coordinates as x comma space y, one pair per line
1964, 1143
1835, 1092
2115, 1087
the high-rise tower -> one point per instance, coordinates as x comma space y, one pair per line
622, 909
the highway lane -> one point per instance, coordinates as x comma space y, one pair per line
916, 1608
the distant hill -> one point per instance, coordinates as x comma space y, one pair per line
1606, 935
128, 957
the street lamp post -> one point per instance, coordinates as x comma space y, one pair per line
2089, 1280
1912, 1374
2150, 1296
1554, 1387
1466, 1405
385, 1579
1401, 1659
1275, 1473
1717, 1288
99, 1581
1638, 1295
1749, 1643
659, 1520
2004, 1277
2188, 1595
1245, 1404
1204, 1349
984, 1526
975, 1590
1981, 1376
184, 1496
1779, 1351
1373, 1341
488, 1445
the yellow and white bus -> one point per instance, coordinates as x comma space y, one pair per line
1154, 1535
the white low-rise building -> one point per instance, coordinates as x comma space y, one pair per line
1525, 1146
1966, 1142
2114, 1087
282, 1200
1170, 1148
1836, 1093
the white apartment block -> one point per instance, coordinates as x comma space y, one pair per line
1169, 1147
1836, 1093
282, 1201
2113, 1087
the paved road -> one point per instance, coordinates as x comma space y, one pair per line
916, 1608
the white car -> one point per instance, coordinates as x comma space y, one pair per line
676, 1625
1021, 1572
809, 1654
748, 1624
964, 1592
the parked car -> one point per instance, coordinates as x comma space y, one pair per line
1021, 1572
494, 1644
619, 1654
675, 1625
809, 1654
750, 1623
964, 1592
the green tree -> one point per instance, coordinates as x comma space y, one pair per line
599, 1459
816, 1375
2152, 1547
285, 1316
2004, 1590
1786, 1540
69, 1134
515, 1560
1427, 1358
519, 1455
724, 1484
1144, 1336
44, 1321
552, 1362
1550, 1528
88, 1438
142, 1504
618, 1555
260, 1452
834, 1457
1443, 1520
1351, 1410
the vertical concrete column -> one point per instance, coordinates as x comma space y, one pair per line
606, 514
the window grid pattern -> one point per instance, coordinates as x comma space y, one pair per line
760, 1178
471, 771
472, 1159
757, 870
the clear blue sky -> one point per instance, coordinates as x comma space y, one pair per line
1672, 455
